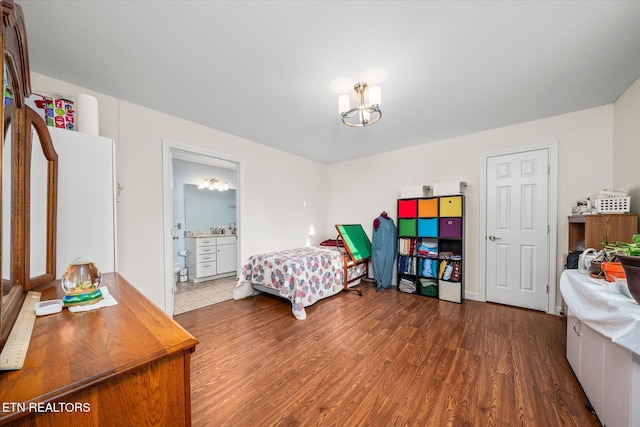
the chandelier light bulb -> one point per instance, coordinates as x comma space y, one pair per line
367, 110
343, 103
375, 96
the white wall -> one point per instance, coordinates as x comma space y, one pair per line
281, 195
626, 143
585, 166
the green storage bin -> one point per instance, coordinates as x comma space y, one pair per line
407, 227
429, 287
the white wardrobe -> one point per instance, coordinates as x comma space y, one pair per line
86, 199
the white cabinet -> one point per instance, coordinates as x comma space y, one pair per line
227, 254
211, 257
591, 367
201, 258
609, 374
573, 343
617, 389
86, 199
608, 371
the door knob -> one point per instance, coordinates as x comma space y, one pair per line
494, 238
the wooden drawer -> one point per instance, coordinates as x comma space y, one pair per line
206, 257
227, 240
206, 269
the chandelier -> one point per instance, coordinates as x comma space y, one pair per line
213, 184
367, 110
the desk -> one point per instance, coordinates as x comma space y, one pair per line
603, 346
128, 364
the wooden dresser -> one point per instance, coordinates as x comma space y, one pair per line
124, 365
589, 231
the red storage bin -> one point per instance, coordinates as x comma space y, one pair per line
407, 208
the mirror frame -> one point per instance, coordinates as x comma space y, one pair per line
23, 121
34, 122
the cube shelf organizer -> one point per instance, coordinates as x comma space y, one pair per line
431, 247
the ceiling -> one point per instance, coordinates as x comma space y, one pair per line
271, 71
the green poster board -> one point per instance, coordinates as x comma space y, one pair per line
356, 241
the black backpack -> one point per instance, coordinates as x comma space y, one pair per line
572, 260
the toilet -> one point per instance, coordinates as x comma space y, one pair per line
176, 271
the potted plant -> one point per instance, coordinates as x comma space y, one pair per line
629, 256
607, 254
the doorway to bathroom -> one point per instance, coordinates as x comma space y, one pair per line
201, 197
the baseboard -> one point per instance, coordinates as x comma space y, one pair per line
474, 296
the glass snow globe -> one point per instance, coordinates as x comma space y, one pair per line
81, 282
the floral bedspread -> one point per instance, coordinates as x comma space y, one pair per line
303, 276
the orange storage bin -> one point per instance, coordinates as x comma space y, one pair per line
428, 208
613, 270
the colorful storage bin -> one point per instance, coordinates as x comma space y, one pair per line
450, 291
451, 227
451, 206
428, 227
407, 208
407, 227
427, 208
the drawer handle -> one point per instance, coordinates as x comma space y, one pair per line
207, 265
575, 326
450, 222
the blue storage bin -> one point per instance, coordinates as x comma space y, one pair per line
428, 227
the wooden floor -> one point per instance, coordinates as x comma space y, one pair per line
383, 359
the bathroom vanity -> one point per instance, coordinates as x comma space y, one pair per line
211, 257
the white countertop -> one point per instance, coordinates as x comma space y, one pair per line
603, 308
205, 234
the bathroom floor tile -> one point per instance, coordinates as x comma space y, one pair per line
190, 296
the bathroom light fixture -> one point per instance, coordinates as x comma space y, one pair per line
213, 184
367, 110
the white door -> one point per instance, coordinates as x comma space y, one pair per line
517, 229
